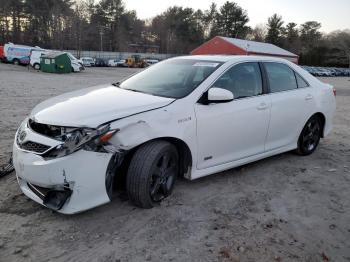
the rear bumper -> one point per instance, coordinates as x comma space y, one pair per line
82, 173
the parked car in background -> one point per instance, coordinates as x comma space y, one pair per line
77, 65
35, 58
99, 62
117, 63
151, 61
345, 71
122, 63
188, 116
112, 62
309, 69
2, 55
88, 61
18, 54
335, 71
327, 71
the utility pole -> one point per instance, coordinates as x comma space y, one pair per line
101, 39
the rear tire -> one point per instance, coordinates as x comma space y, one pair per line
152, 173
310, 136
15, 61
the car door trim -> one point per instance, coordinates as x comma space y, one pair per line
294, 72
263, 82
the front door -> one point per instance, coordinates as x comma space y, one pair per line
234, 130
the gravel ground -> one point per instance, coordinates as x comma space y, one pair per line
284, 208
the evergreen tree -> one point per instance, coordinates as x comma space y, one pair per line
274, 29
231, 21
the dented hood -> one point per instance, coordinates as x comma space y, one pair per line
94, 106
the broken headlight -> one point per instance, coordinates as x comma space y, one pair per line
82, 138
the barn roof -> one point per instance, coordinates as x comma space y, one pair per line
227, 58
258, 47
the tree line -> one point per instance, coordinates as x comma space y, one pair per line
107, 25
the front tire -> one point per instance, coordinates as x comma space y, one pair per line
15, 61
36, 66
152, 173
310, 136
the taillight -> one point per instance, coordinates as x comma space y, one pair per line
334, 91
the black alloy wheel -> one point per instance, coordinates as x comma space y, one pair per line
163, 176
310, 136
152, 173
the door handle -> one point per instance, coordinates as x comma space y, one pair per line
262, 106
309, 97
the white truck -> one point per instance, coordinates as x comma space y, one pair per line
35, 58
88, 61
77, 65
18, 54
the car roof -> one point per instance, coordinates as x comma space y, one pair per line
234, 58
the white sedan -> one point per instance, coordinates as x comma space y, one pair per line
189, 116
117, 63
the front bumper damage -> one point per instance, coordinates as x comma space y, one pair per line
69, 184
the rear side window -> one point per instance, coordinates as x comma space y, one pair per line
301, 82
243, 80
281, 77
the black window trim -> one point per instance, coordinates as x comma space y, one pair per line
263, 80
266, 84
295, 74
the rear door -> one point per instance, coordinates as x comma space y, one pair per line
292, 102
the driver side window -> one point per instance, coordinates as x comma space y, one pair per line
243, 80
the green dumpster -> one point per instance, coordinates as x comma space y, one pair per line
55, 62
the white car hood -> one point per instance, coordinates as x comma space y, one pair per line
94, 106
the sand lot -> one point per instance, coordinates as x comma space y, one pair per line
284, 208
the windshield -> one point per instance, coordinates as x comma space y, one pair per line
175, 78
71, 56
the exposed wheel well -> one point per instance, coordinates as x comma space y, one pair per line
185, 158
323, 121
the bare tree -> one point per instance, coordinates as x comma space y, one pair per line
258, 33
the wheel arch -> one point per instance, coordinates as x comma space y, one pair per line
323, 121
185, 154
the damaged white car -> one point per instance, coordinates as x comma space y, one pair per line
188, 116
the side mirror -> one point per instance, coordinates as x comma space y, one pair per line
219, 95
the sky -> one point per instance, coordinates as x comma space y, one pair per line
332, 14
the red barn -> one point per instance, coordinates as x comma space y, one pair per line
232, 46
